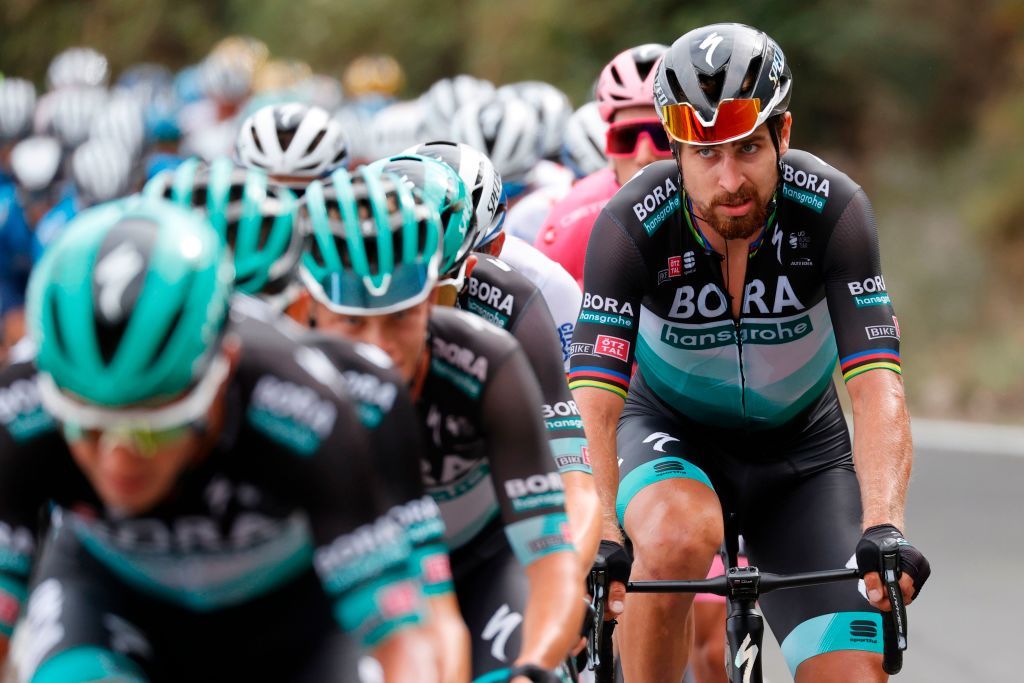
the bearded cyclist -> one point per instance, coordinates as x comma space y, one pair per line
634, 139
216, 497
372, 270
732, 276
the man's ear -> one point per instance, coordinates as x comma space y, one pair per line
787, 124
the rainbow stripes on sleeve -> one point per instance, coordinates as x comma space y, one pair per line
600, 378
859, 363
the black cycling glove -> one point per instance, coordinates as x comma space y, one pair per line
616, 561
534, 673
912, 562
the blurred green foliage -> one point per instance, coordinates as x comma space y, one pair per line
921, 101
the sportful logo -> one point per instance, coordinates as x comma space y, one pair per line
862, 630
113, 275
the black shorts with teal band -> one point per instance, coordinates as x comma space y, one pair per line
797, 501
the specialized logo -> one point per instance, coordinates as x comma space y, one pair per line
709, 44
499, 629
659, 439
746, 656
126, 638
777, 241
114, 273
660, 203
882, 331
872, 285
778, 64
41, 628
612, 346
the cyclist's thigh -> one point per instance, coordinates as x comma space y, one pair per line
813, 525
654, 448
76, 626
493, 600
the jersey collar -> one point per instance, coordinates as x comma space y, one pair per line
698, 234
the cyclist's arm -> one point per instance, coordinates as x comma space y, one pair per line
867, 337
535, 330
531, 496
603, 349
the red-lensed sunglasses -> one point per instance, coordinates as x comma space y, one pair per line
623, 137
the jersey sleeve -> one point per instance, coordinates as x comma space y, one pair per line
528, 487
362, 555
534, 330
563, 297
866, 329
604, 342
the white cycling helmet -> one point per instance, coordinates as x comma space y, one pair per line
292, 139
583, 149
506, 129
17, 104
35, 162
482, 181
447, 96
357, 125
553, 109
74, 110
101, 171
121, 121
398, 126
78, 66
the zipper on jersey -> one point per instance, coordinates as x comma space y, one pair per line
739, 352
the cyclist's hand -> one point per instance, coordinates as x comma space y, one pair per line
618, 563
531, 673
913, 565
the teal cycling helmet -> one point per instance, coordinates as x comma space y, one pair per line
440, 185
376, 244
256, 219
128, 304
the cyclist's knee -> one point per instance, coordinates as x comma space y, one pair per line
675, 530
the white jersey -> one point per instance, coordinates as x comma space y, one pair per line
549, 183
560, 290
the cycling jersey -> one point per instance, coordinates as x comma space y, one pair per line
562, 295
487, 458
563, 237
15, 250
52, 223
489, 469
288, 486
547, 183
500, 294
654, 293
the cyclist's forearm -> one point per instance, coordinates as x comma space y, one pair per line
882, 446
407, 657
600, 410
584, 510
452, 641
554, 610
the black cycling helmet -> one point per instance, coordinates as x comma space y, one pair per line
733, 65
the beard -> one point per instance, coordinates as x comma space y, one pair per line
736, 227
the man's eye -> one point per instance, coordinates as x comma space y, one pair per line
705, 152
749, 148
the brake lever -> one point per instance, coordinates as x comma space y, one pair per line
894, 624
598, 581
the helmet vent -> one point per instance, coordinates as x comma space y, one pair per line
158, 352
673, 83
58, 333
750, 78
316, 141
712, 86
256, 139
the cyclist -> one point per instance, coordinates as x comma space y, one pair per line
584, 144
503, 296
78, 67
731, 275
259, 223
634, 139
293, 143
101, 171
373, 81
35, 163
17, 105
372, 271
206, 477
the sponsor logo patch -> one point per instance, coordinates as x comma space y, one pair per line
880, 331
580, 349
872, 300
612, 346
803, 198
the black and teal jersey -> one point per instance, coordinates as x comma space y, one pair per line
503, 296
488, 463
814, 291
288, 487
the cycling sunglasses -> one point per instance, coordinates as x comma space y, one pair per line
623, 138
733, 119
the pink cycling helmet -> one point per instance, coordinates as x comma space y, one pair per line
628, 80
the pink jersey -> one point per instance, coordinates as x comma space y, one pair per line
564, 235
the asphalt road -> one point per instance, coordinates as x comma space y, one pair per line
965, 511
